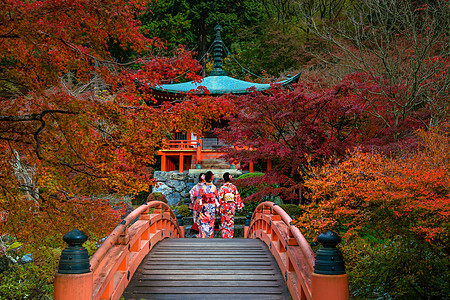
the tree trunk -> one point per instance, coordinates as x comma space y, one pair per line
203, 41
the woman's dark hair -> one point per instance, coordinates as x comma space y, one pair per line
200, 177
226, 177
208, 176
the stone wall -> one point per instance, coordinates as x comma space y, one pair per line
176, 186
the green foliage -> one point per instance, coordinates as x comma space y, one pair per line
274, 199
292, 210
140, 198
91, 247
183, 210
31, 280
265, 37
46, 259
245, 191
190, 22
156, 196
249, 208
272, 48
169, 21
246, 188
4, 263
396, 269
250, 175
24, 282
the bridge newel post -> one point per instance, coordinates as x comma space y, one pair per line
247, 226
74, 279
329, 280
181, 224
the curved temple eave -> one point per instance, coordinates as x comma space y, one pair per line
220, 85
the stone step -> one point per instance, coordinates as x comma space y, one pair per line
214, 164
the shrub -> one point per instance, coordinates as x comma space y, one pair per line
91, 246
183, 210
140, 198
293, 210
24, 282
249, 208
156, 196
244, 188
393, 214
397, 268
4, 263
250, 175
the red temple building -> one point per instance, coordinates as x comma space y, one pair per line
187, 150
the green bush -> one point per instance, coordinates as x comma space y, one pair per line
91, 247
396, 269
24, 282
246, 190
248, 208
250, 175
293, 210
140, 198
183, 210
156, 196
274, 199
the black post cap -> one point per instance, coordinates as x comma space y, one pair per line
74, 258
329, 259
247, 221
180, 220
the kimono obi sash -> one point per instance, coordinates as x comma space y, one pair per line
228, 197
209, 198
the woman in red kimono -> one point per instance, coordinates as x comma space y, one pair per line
194, 195
229, 201
207, 203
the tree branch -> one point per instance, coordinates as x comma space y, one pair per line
34, 117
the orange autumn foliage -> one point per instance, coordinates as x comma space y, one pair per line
372, 194
74, 128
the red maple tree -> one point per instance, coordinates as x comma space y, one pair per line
74, 128
307, 123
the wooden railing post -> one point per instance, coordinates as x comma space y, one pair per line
199, 151
181, 225
164, 162
247, 226
329, 281
181, 163
74, 279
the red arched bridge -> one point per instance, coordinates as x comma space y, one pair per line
147, 257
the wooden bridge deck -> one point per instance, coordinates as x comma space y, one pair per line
208, 269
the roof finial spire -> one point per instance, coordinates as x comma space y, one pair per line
218, 51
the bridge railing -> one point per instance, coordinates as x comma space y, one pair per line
307, 277
115, 261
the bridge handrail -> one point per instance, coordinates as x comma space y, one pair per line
112, 239
112, 266
297, 270
139, 237
305, 247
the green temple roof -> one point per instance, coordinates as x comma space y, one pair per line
218, 83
